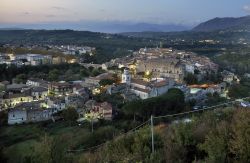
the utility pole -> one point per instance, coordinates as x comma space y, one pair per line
152, 134
92, 125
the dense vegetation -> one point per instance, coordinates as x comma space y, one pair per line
107, 46
169, 103
67, 72
213, 136
36, 137
220, 136
224, 24
110, 46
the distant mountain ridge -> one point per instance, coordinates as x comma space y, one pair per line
223, 23
102, 26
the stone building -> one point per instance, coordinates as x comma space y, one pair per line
60, 88
170, 68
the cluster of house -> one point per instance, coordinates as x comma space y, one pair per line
158, 86
39, 100
148, 73
165, 62
30, 59
229, 77
75, 50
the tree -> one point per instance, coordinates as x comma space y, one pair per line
190, 79
54, 75
84, 72
21, 78
3, 118
96, 72
105, 82
173, 151
240, 143
133, 108
168, 103
3, 158
51, 150
216, 143
70, 115
238, 91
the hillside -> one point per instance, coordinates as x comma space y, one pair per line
224, 23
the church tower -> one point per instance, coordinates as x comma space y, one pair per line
126, 76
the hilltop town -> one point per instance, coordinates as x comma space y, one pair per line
147, 73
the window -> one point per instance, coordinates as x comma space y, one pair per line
13, 115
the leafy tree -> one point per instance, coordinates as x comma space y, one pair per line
170, 102
240, 144
191, 79
21, 78
213, 99
70, 115
133, 108
3, 158
51, 150
238, 91
135, 147
173, 151
84, 72
54, 75
105, 82
96, 72
3, 118
216, 143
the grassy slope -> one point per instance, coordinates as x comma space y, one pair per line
19, 141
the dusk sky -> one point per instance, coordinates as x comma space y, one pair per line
187, 12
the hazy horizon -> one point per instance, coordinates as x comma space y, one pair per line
96, 14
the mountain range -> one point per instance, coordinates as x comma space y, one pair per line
240, 23
215, 24
102, 26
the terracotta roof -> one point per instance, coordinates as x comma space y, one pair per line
104, 76
161, 83
140, 82
141, 90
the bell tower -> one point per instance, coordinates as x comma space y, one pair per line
126, 76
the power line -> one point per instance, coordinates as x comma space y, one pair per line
198, 110
151, 120
97, 146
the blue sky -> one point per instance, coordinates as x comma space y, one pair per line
187, 12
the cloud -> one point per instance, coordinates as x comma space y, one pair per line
58, 8
102, 10
50, 16
246, 8
26, 13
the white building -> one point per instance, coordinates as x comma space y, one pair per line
58, 104
154, 88
189, 68
145, 89
126, 76
24, 115
39, 93
37, 83
17, 116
